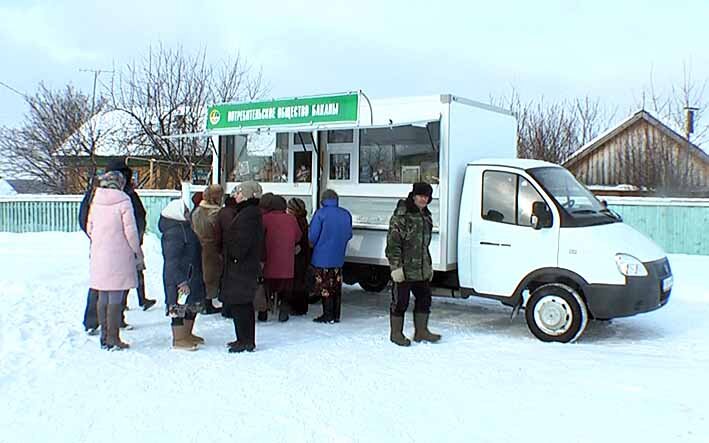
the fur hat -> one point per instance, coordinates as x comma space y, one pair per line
250, 189
112, 180
297, 207
423, 188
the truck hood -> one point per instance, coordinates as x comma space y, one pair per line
621, 238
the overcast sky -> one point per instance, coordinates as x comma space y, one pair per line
555, 48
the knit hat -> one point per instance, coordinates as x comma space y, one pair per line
250, 189
423, 188
112, 180
297, 207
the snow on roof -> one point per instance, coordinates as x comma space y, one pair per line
6, 188
111, 131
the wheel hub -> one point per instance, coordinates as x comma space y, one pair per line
553, 315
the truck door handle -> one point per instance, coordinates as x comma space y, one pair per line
487, 243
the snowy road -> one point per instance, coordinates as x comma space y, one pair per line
636, 379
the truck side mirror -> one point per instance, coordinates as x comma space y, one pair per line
541, 215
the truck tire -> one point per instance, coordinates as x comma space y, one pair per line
556, 312
373, 278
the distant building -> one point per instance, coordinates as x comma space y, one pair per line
642, 156
111, 131
9, 187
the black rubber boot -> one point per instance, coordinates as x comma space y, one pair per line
328, 311
337, 306
397, 331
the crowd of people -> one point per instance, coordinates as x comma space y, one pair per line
256, 253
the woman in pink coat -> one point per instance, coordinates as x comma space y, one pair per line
115, 253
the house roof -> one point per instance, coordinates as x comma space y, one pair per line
599, 141
28, 186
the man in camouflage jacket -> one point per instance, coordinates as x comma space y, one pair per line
409, 237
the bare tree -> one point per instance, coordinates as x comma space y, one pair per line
54, 130
553, 131
166, 94
670, 105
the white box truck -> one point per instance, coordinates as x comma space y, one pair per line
523, 232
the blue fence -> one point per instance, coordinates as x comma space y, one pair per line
678, 225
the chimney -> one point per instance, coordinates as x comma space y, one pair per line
689, 120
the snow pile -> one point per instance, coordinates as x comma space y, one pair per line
489, 380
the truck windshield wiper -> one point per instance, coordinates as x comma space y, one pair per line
584, 211
611, 213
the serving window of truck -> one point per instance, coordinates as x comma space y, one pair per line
369, 152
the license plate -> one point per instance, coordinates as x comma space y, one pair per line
667, 283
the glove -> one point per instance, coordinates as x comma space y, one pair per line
398, 275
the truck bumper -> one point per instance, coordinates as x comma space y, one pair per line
639, 294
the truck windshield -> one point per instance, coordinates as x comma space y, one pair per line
579, 204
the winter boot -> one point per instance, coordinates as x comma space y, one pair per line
283, 312
196, 339
103, 321
263, 316
397, 331
149, 303
244, 333
421, 329
328, 311
114, 316
337, 306
209, 308
181, 339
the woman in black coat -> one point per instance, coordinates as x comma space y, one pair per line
243, 247
182, 274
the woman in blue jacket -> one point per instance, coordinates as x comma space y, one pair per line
330, 231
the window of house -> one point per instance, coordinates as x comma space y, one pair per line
259, 157
401, 154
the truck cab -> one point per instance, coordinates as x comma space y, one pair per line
530, 235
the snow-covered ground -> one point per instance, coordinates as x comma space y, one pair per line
637, 379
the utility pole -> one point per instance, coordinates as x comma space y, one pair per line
96, 73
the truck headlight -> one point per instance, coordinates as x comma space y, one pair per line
630, 266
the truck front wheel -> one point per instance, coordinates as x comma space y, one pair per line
556, 312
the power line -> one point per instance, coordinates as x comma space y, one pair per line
21, 94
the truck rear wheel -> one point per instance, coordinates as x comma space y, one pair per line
373, 278
556, 312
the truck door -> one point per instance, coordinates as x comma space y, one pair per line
505, 247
